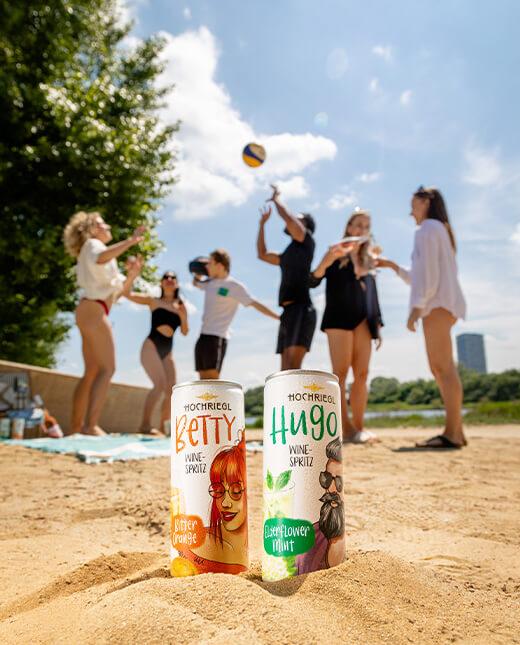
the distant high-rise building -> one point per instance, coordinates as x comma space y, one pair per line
471, 353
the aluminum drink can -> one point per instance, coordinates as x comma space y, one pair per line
5, 428
303, 514
208, 503
17, 428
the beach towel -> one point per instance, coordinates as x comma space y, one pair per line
109, 448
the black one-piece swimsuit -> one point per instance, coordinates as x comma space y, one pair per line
162, 316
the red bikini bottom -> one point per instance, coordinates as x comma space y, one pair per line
102, 303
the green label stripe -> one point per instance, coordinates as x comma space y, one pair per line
284, 536
223, 291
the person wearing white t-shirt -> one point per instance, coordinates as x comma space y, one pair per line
223, 294
86, 237
436, 298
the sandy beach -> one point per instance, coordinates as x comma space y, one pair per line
433, 553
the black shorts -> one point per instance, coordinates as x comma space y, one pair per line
297, 325
210, 352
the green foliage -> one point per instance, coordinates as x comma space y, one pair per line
504, 386
494, 412
409, 421
384, 390
257, 424
499, 412
78, 116
390, 394
254, 401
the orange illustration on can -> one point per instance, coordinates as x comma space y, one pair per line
208, 504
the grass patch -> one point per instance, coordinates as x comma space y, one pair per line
257, 425
490, 413
402, 405
494, 412
412, 420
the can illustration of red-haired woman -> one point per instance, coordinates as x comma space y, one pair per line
225, 549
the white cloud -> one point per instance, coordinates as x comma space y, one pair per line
406, 97
127, 11
124, 12
291, 153
190, 307
383, 51
515, 237
126, 304
369, 177
374, 86
337, 63
186, 12
321, 119
483, 167
496, 315
341, 200
187, 286
294, 187
213, 134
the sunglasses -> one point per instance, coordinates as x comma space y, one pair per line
235, 490
326, 480
170, 276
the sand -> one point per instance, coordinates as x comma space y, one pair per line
433, 554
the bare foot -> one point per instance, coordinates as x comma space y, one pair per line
456, 437
96, 431
156, 432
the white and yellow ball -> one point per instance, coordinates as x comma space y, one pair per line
253, 155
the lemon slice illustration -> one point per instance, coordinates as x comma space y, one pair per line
181, 568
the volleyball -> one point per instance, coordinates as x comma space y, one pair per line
253, 155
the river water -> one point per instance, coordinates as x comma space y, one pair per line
391, 413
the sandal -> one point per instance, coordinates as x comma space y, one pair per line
439, 442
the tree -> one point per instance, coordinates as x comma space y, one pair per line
254, 401
383, 390
80, 130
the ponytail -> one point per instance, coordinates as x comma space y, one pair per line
437, 210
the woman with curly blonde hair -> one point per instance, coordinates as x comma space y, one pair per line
86, 237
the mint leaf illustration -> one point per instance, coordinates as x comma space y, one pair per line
282, 480
269, 480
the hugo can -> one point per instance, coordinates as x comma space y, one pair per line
208, 503
5, 427
303, 514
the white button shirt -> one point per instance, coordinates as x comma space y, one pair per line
97, 281
433, 275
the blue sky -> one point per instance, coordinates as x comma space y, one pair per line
356, 104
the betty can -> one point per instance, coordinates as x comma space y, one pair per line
304, 525
208, 503
17, 427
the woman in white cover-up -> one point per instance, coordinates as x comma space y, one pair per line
437, 299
